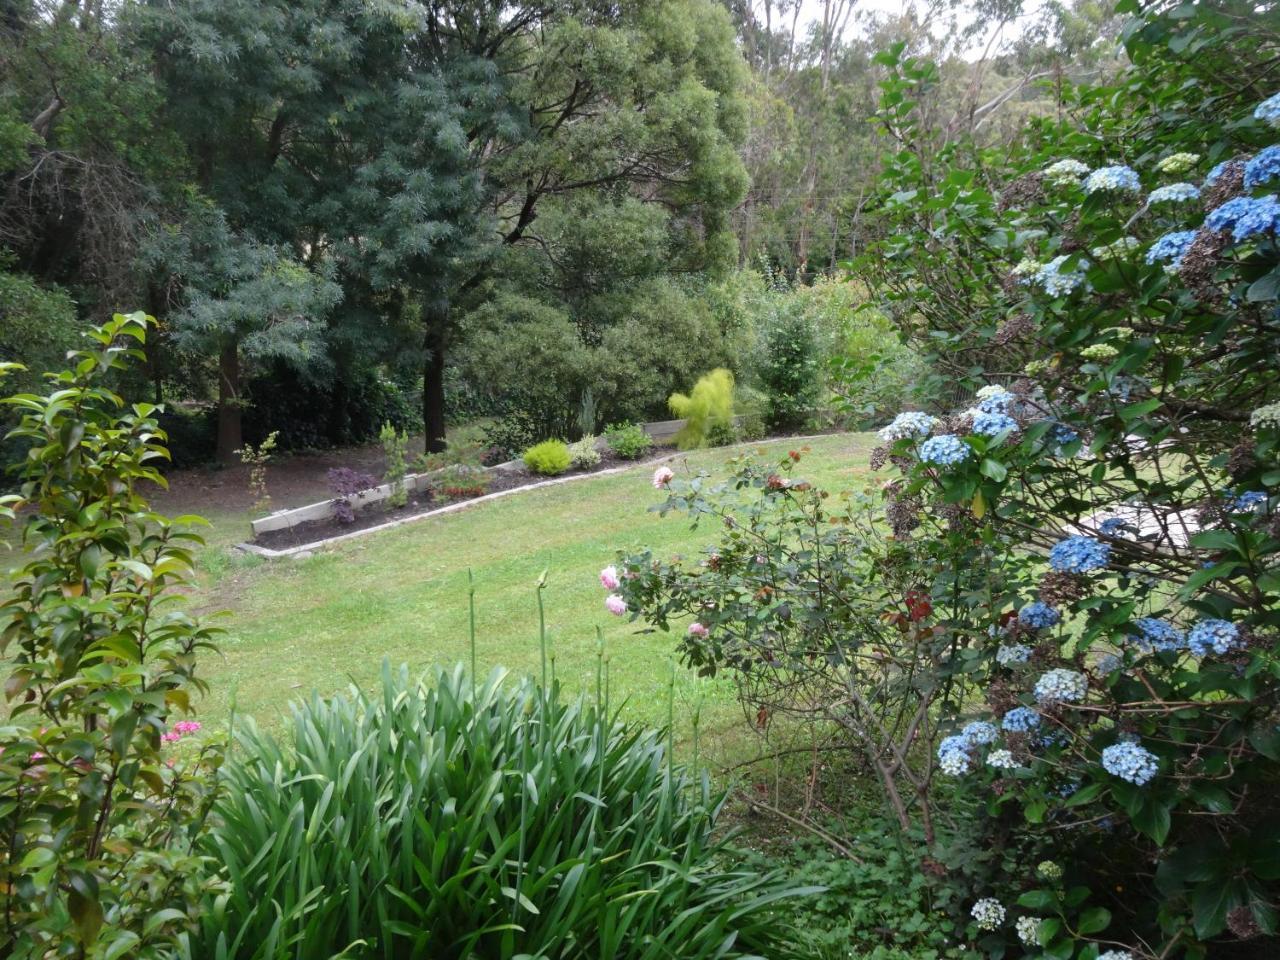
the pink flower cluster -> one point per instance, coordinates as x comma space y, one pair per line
180, 730
610, 581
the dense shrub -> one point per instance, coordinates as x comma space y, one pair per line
583, 453
98, 815
550, 457
628, 440
707, 411
789, 370
453, 818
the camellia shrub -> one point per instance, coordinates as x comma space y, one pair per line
454, 818
100, 810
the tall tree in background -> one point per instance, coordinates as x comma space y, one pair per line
410, 144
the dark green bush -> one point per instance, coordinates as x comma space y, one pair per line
788, 370
448, 820
550, 457
628, 440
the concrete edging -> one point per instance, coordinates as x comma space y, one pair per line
272, 554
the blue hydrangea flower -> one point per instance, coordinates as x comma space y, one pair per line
1263, 168
1213, 636
1261, 217
979, 732
1079, 555
992, 424
1060, 434
1061, 686
1212, 177
1230, 213
1113, 526
945, 450
1021, 720
1174, 193
1156, 634
953, 755
1108, 663
1009, 654
1039, 615
1117, 178
1128, 761
1059, 284
1171, 248
1268, 111
994, 398
908, 424
1247, 502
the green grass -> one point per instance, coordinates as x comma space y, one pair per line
401, 594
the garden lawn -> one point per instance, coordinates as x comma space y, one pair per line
401, 594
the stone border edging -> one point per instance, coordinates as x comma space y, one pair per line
271, 554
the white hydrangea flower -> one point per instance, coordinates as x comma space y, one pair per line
911, 423
1028, 929
1177, 163
1065, 172
1002, 760
1268, 416
989, 913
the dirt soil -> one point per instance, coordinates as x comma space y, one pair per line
311, 531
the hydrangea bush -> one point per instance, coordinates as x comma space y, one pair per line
1087, 590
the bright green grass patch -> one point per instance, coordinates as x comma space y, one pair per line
401, 594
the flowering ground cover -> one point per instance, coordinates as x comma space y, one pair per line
322, 621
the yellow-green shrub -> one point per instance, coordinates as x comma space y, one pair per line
708, 409
548, 457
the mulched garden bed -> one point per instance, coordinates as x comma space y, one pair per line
421, 501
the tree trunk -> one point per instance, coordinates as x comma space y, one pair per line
229, 438
437, 320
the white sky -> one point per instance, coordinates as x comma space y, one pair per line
811, 12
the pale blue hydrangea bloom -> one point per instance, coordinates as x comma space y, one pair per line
1174, 193
1079, 554
1039, 615
1061, 686
1118, 178
1268, 111
979, 732
1128, 761
945, 450
1156, 634
1213, 636
1263, 168
991, 424
994, 399
910, 423
1059, 284
953, 755
1247, 502
1009, 654
1171, 248
1021, 720
1108, 663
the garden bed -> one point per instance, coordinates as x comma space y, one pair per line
316, 523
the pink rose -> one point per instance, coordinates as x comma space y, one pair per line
698, 629
615, 604
609, 578
662, 476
